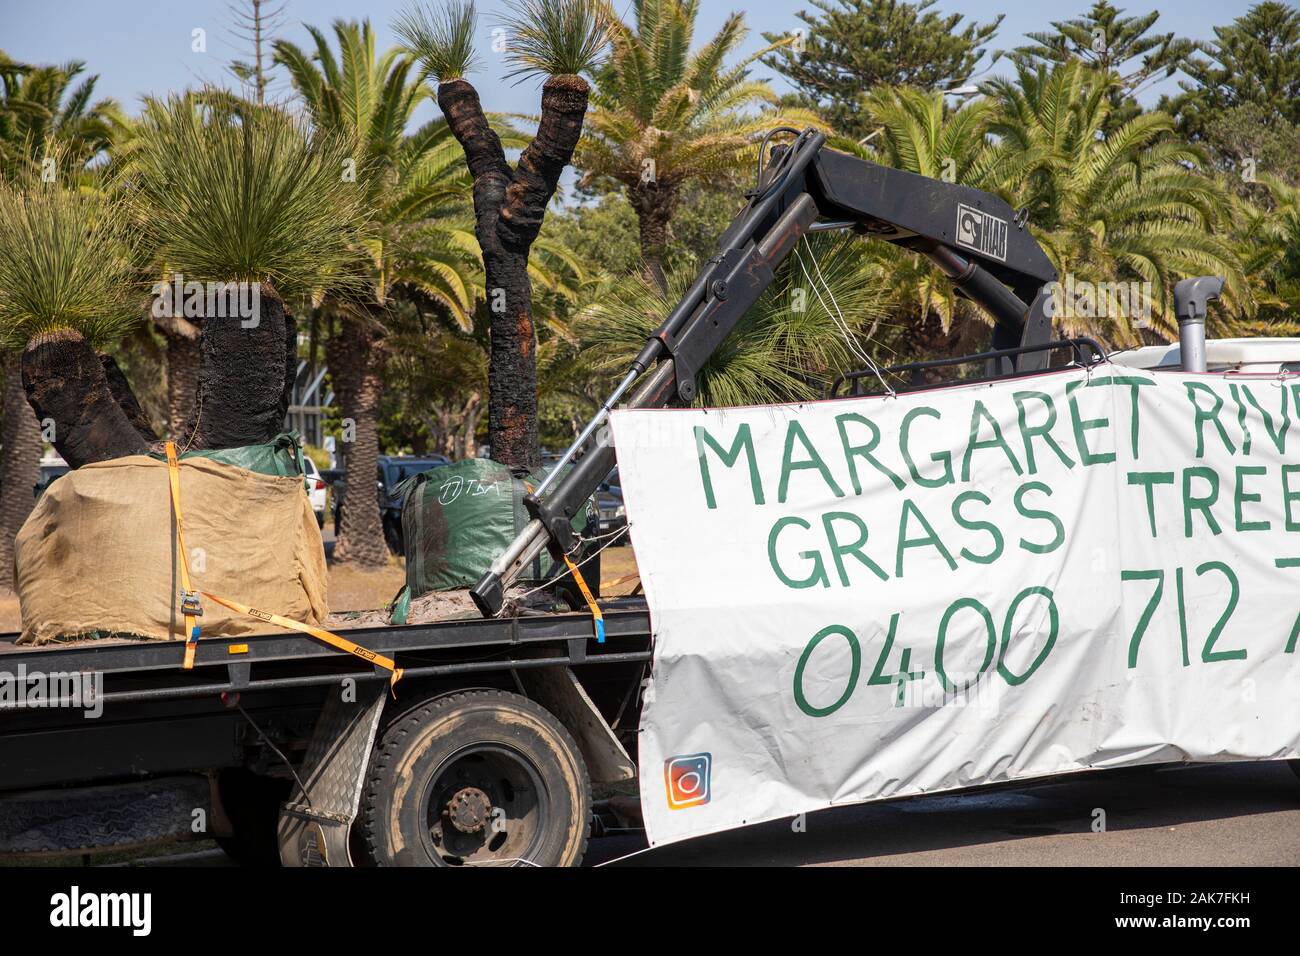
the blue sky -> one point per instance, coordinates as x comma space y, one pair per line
139, 47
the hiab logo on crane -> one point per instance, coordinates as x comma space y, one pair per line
979, 231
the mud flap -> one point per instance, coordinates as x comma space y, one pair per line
314, 825
558, 690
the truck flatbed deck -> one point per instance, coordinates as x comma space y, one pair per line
151, 670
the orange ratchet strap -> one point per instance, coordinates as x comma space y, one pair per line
597, 618
192, 609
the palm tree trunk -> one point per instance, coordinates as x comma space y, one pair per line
355, 363
182, 379
20, 459
473, 410
654, 205
509, 206
65, 383
240, 394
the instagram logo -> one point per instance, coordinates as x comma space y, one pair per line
686, 779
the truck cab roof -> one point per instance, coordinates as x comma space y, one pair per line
1257, 355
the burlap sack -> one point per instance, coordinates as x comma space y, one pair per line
97, 556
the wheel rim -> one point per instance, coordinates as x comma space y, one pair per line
485, 805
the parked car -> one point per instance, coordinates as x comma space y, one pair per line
316, 489
609, 505
52, 466
392, 470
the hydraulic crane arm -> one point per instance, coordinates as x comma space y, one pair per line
975, 238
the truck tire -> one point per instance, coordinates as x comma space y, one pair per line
476, 778
1295, 767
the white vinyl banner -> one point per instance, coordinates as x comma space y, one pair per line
876, 597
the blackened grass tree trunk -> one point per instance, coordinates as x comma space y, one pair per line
20, 459
181, 336
241, 382
557, 39
509, 205
67, 286
65, 383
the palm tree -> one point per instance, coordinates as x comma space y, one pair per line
664, 117
42, 116
1128, 203
415, 191
919, 132
1267, 234
41, 106
234, 193
558, 39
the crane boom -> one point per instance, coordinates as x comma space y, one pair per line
974, 237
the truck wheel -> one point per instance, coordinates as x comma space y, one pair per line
1295, 767
477, 778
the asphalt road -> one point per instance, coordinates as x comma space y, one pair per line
1225, 815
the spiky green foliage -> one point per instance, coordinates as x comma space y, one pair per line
247, 195
415, 188
787, 346
556, 37
65, 263
442, 38
682, 115
921, 133
1266, 231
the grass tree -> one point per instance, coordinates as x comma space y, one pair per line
180, 335
414, 189
664, 117
67, 286
234, 193
50, 124
557, 39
